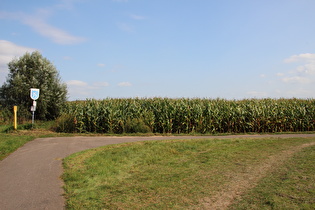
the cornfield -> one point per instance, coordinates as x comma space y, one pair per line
166, 115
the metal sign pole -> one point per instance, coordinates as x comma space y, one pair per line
34, 95
33, 109
33, 118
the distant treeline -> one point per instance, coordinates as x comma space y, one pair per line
166, 115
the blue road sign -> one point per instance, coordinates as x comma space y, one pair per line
34, 93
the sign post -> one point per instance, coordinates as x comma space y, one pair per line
34, 95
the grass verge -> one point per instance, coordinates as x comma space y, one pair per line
11, 140
176, 174
291, 186
9, 143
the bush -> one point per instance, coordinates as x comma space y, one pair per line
136, 126
65, 123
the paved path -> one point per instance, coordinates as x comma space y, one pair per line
30, 177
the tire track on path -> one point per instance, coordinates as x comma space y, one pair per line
242, 182
30, 177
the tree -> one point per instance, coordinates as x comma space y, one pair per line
34, 71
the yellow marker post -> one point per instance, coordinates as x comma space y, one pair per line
15, 117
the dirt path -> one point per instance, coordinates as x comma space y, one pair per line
29, 177
244, 181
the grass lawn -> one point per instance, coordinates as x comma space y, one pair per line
9, 143
291, 186
181, 174
187, 174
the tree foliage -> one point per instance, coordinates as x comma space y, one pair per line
32, 70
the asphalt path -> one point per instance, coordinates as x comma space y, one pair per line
30, 177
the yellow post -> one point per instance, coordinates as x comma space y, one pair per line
15, 117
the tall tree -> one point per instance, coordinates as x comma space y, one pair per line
34, 71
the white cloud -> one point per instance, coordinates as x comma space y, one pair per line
82, 90
66, 4
306, 57
101, 84
67, 58
77, 83
257, 94
85, 85
125, 27
137, 17
56, 35
101, 65
9, 51
301, 92
296, 79
308, 68
39, 24
124, 84
117, 68
302, 74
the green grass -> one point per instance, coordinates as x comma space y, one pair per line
11, 140
177, 174
292, 186
9, 143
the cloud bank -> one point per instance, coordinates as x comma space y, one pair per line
78, 89
124, 84
9, 51
303, 73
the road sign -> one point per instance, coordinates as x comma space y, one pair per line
34, 93
33, 108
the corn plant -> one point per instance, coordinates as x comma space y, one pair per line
183, 115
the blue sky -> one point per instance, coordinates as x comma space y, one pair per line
168, 48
